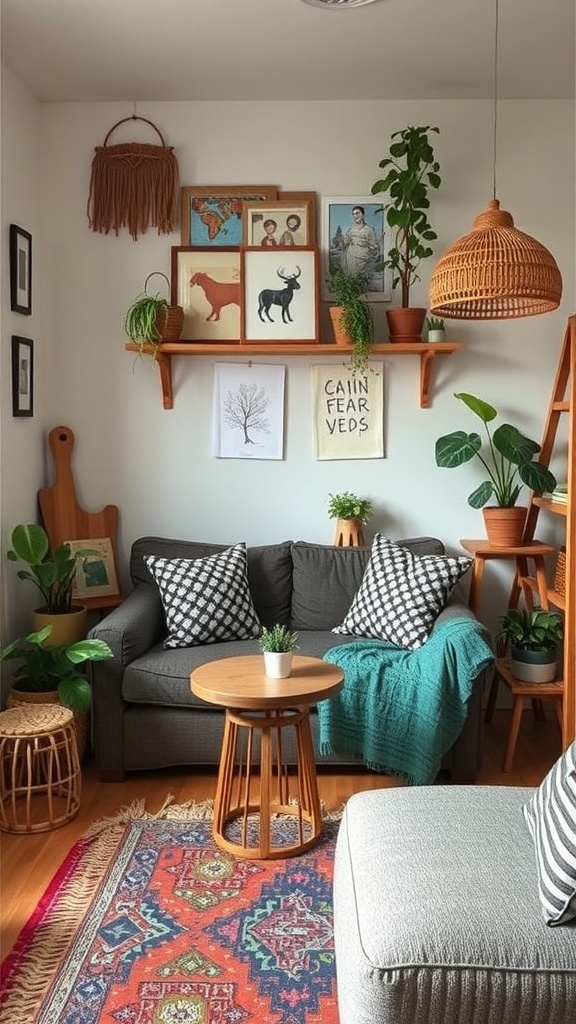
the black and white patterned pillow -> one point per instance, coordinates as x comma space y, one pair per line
551, 817
401, 594
205, 599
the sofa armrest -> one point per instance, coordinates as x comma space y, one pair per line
130, 630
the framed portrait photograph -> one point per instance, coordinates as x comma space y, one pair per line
206, 283
312, 199
353, 238
22, 376
280, 294
95, 574
20, 270
283, 222
211, 215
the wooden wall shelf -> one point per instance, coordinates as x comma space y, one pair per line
427, 353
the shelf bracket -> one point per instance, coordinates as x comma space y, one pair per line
425, 368
165, 367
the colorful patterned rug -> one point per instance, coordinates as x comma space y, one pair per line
149, 922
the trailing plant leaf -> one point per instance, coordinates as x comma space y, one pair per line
349, 291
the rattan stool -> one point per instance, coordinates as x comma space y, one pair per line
40, 779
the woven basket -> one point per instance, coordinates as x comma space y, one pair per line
560, 573
18, 698
169, 319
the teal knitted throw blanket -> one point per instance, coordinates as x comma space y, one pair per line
400, 711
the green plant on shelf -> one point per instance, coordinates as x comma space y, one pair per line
531, 629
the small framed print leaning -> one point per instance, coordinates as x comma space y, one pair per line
353, 238
280, 294
283, 222
22, 376
211, 215
20, 270
206, 283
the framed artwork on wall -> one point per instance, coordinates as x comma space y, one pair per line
249, 411
20, 270
95, 574
283, 222
206, 283
22, 376
312, 200
280, 294
211, 215
353, 237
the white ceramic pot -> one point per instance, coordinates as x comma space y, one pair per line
436, 335
533, 666
278, 665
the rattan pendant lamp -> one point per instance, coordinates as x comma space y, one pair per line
496, 272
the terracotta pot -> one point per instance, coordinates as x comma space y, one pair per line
81, 718
341, 336
405, 324
349, 533
66, 629
505, 526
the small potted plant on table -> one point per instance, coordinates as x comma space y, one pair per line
278, 644
351, 514
509, 462
534, 637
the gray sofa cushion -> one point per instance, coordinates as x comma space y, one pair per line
269, 571
326, 579
437, 916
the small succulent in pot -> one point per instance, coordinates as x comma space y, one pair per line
278, 639
348, 506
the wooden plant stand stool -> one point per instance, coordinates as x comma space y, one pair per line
521, 692
40, 780
255, 790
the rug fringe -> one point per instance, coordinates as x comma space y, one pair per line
169, 811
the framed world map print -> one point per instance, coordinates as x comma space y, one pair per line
211, 215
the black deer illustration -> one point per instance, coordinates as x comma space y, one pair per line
279, 296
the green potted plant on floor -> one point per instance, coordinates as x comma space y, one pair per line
278, 644
509, 461
53, 575
352, 317
151, 319
533, 636
351, 514
411, 170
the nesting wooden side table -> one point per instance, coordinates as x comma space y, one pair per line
256, 704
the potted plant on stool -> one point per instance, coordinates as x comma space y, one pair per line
411, 170
278, 645
508, 461
534, 637
351, 514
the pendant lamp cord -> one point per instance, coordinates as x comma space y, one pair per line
495, 95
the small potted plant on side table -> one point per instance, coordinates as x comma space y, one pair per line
278, 644
533, 637
351, 514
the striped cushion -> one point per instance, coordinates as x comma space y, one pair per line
551, 817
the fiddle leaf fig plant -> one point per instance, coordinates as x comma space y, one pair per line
411, 169
508, 458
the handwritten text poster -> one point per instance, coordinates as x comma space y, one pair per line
348, 411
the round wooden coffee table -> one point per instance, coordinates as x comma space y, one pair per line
260, 707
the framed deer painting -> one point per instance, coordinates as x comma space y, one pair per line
206, 283
279, 293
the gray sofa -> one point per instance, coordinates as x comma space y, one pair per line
437, 916
144, 714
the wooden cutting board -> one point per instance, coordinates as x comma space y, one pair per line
63, 517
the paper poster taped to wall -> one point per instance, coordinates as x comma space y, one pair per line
348, 412
249, 411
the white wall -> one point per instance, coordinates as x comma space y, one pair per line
156, 465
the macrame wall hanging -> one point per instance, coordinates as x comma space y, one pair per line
133, 185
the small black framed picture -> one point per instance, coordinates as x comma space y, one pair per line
20, 270
22, 376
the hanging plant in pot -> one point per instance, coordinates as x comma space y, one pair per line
151, 320
352, 317
533, 637
509, 461
411, 170
278, 644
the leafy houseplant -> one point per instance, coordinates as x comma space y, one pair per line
278, 645
151, 319
53, 576
47, 668
533, 636
348, 506
411, 170
510, 456
354, 313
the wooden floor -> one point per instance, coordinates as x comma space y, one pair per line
29, 862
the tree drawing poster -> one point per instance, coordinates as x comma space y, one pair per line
249, 411
348, 412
